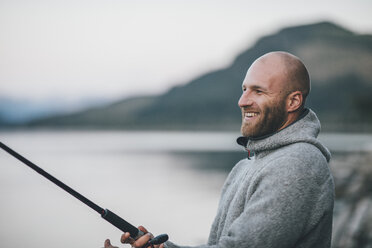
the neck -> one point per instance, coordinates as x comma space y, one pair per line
292, 117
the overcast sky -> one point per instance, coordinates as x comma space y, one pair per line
73, 49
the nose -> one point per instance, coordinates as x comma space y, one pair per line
245, 100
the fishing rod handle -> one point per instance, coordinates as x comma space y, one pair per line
120, 223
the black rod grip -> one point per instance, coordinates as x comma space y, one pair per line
121, 224
159, 239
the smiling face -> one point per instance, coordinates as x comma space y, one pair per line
264, 99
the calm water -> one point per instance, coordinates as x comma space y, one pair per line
166, 181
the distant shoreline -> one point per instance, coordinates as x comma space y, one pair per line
185, 140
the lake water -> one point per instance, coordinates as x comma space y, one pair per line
167, 181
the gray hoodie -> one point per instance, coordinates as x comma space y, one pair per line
281, 197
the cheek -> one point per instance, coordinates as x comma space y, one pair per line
264, 102
255, 101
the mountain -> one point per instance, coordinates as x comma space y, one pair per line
16, 111
339, 62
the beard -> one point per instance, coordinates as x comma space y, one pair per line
269, 120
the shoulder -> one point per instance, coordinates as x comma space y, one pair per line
297, 163
307, 158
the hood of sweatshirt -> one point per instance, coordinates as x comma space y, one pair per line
305, 129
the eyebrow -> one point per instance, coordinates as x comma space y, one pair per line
257, 87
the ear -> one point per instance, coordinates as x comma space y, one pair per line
294, 101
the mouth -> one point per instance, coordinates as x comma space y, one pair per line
250, 115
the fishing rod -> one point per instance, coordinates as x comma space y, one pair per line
106, 214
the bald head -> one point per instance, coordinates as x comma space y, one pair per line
290, 69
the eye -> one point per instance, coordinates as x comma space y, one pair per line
259, 91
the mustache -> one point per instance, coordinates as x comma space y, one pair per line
247, 110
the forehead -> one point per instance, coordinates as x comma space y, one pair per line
269, 74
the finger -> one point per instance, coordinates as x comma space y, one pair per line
107, 244
159, 246
143, 229
142, 240
126, 239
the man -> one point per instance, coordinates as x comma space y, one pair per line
282, 195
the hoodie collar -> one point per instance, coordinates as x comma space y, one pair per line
305, 129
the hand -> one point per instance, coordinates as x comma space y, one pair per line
139, 243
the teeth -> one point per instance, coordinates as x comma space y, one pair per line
250, 114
